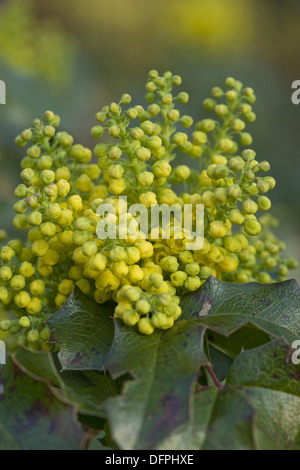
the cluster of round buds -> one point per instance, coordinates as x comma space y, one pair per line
263, 260
155, 307
63, 201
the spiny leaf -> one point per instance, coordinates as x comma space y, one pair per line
225, 307
261, 396
165, 366
31, 418
85, 390
39, 365
271, 384
84, 331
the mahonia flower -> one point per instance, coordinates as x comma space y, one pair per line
66, 186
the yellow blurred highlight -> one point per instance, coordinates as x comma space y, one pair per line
217, 24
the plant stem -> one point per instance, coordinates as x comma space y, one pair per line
213, 376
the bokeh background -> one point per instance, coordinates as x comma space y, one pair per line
75, 56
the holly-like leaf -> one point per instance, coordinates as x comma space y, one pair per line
261, 397
39, 365
154, 409
84, 331
225, 307
247, 337
271, 384
164, 366
31, 418
87, 390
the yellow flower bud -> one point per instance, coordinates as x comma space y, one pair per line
182, 172
236, 217
78, 257
51, 258
169, 264
37, 287
44, 270
63, 188
83, 183
145, 326
159, 320
143, 307
145, 178
34, 306
121, 308
117, 186
17, 282
135, 274
115, 171
148, 199
215, 255
48, 229
156, 280
186, 257
98, 262
62, 173
145, 248
5, 273
178, 278
162, 169
60, 299
22, 299
192, 283
217, 229
252, 227
66, 218
66, 238
167, 196
133, 255
119, 268
26, 269
75, 203
130, 317
89, 248
84, 286
192, 269
228, 265
232, 244
65, 287
101, 297
54, 211
107, 281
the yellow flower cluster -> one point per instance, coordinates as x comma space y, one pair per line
64, 189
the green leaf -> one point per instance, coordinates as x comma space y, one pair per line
259, 406
247, 337
225, 307
220, 362
221, 420
271, 384
84, 331
31, 418
155, 407
164, 366
39, 365
87, 390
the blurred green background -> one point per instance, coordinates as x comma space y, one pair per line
73, 57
